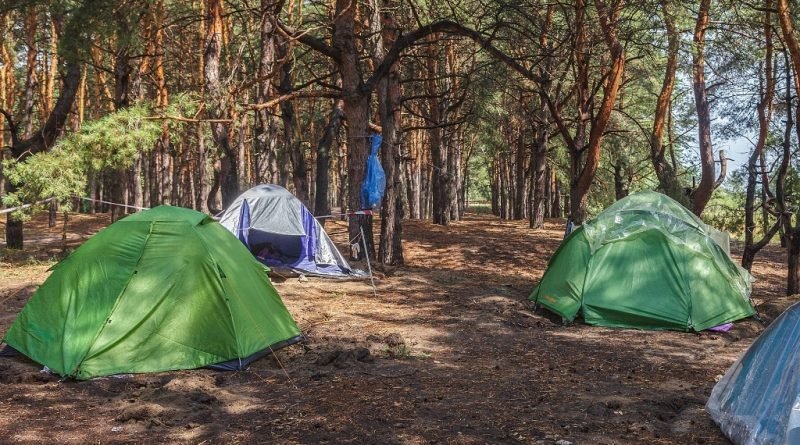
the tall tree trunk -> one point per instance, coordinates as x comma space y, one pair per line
538, 165
413, 173
390, 250
505, 186
584, 148
40, 141
538, 173
702, 194
217, 103
201, 164
52, 69
122, 84
165, 148
438, 149
764, 108
667, 176
494, 184
520, 177
265, 129
608, 22
356, 108
792, 232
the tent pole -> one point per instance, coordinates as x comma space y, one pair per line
369, 266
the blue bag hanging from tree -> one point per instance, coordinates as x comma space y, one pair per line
375, 179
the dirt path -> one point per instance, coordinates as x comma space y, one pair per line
448, 352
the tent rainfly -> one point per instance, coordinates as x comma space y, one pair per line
758, 400
645, 262
164, 289
280, 231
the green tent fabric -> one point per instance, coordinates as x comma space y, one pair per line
645, 262
164, 289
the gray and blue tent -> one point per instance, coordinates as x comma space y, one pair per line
758, 400
281, 233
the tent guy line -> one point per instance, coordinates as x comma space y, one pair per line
24, 206
336, 215
112, 203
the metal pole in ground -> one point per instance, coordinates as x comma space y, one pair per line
369, 266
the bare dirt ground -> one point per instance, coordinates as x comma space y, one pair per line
448, 352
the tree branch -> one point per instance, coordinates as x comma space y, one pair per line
445, 27
294, 95
310, 41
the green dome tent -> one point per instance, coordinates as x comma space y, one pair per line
645, 262
164, 289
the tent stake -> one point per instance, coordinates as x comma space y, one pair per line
369, 267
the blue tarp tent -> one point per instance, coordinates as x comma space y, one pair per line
281, 233
758, 400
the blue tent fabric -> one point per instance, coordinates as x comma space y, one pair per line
283, 234
758, 400
375, 179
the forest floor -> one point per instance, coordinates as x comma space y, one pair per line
448, 352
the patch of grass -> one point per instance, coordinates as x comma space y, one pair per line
35, 257
480, 207
26, 258
398, 351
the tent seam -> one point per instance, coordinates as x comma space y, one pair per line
218, 273
116, 301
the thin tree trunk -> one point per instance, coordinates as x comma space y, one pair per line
454, 154
494, 184
122, 84
520, 177
291, 141
621, 184
558, 208
321, 198
31, 79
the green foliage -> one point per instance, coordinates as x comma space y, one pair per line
110, 143
59, 174
725, 211
478, 182
115, 140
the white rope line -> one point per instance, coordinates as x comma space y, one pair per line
113, 203
24, 206
336, 215
332, 215
355, 240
